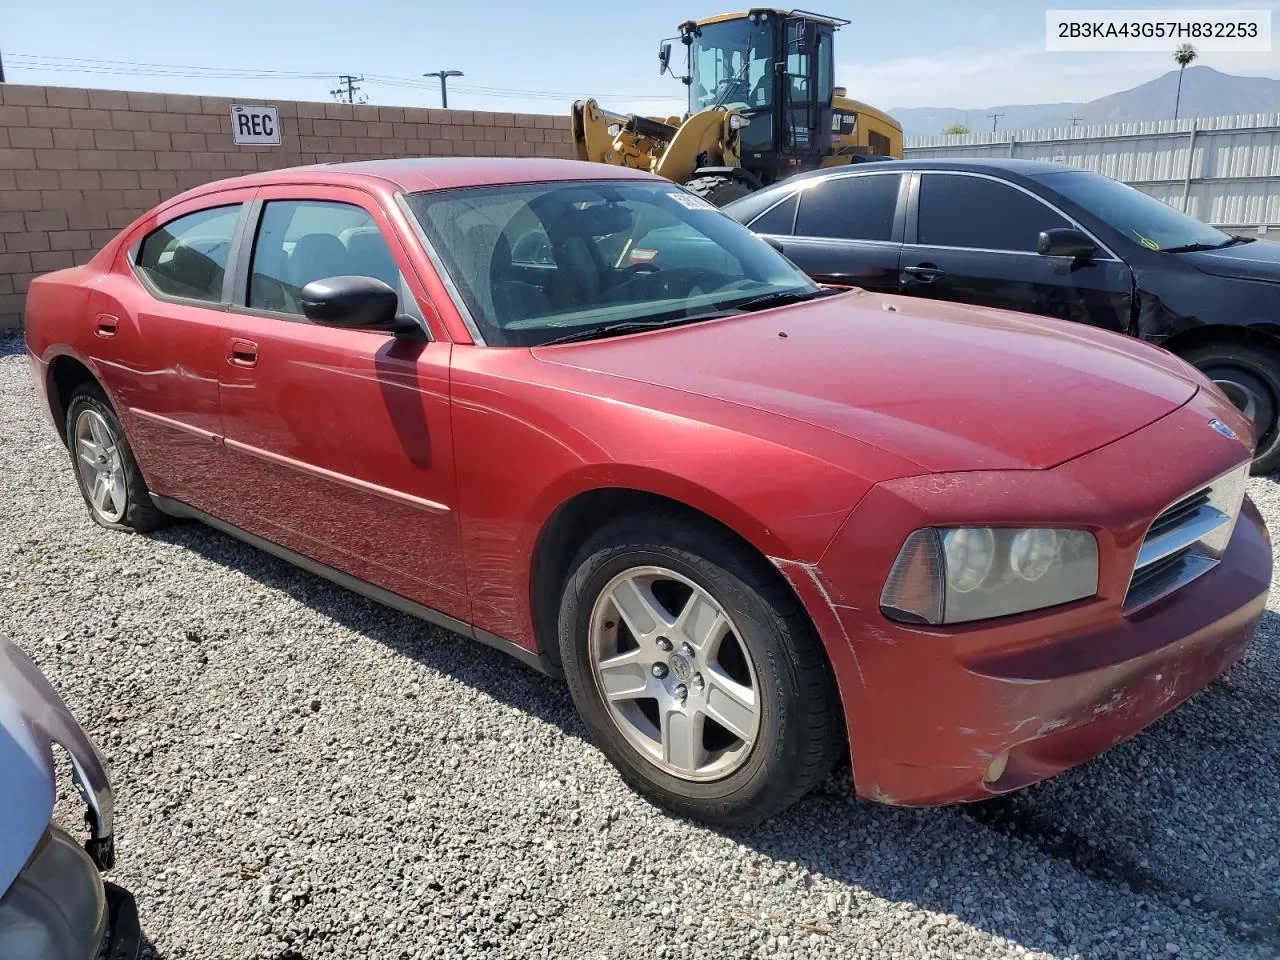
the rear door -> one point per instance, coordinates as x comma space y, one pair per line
158, 319
339, 440
972, 238
847, 230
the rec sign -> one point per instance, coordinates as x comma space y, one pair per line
255, 125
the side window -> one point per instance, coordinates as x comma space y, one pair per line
777, 220
304, 240
850, 208
187, 257
974, 212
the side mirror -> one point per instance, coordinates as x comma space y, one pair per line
664, 58
806, 37
1066, 242
354, 303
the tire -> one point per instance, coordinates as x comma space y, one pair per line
93, 430
718, 190
1250, 377
795, 732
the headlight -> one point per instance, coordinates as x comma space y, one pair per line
973, 573
56, 907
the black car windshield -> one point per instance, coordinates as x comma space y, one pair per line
1141, 218
544, 261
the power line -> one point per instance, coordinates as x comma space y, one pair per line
47, 63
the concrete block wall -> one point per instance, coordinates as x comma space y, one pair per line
77, 165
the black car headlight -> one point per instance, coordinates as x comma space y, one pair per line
959, 574
56, 907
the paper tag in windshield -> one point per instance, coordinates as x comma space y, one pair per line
690, 202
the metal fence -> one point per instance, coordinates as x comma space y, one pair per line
1222, 170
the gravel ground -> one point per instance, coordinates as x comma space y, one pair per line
301, 773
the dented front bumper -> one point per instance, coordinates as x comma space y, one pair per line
945, 714
1029, 715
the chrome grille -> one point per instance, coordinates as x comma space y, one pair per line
1186, 540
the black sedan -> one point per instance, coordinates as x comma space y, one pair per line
1047, 239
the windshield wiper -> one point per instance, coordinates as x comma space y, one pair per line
781, 299
1196, 247
777, 299
631, 326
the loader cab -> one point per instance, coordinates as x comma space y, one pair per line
774, 68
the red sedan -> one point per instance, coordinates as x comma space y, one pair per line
574, 412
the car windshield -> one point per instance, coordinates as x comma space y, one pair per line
546, 261
1140, 217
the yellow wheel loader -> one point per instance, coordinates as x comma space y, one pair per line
762, 106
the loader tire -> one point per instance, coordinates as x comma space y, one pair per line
718, 190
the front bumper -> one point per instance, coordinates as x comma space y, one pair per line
929, 709
53, 901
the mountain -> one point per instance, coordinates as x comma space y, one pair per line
1205, 93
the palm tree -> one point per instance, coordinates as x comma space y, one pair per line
1182, 57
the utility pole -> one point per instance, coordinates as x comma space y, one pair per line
444, 76
994, 118
1075, 121
1, 69
346, 89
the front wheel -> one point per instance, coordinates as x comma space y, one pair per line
1250, 377
696, 671
718, 190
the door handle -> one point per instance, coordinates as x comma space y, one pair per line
242, 353
105, 325
925, 272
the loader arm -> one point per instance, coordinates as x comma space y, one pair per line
668, 149
706, 139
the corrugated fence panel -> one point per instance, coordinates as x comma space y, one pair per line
1227, 168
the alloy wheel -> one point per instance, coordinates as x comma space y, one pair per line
101, 469
675, 676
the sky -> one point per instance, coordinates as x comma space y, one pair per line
540, 56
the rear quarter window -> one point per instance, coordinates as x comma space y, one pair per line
187, 257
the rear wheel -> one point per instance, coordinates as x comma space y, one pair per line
696, 671
106, 471
1250, 377
717, 189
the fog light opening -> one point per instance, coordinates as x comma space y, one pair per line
996, 770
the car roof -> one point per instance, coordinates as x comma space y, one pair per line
1023, 168
415, 174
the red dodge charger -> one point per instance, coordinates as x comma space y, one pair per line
576, 413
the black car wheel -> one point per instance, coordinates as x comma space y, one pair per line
696, 671
1250, 377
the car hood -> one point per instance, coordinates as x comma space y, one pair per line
946, 386
32, 719
1259, 260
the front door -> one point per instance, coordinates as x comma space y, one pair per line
339, 440
975, 241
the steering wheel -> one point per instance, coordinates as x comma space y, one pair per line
635, 268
